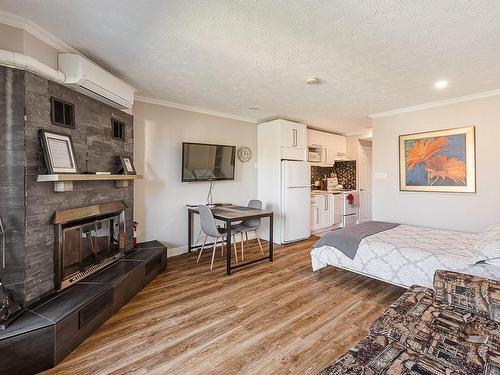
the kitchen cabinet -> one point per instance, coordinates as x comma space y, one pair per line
315, 138
334, 146
293, 140
326, 211
317, 215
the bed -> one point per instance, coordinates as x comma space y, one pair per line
409, 255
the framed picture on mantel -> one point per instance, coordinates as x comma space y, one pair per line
438, 161
127, 167
59, 152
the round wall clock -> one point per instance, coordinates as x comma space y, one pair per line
244, 154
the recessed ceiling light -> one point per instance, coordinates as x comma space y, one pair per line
253, 108
441, 84
312, 80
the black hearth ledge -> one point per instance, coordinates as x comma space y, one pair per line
48, 331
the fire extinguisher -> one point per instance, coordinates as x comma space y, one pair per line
136, 224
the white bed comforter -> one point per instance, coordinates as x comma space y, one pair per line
405, 255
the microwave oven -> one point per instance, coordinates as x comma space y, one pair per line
314, 156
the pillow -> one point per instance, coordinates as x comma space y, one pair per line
488, 244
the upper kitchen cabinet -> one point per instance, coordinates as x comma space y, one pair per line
315, 138
293, 136
334, 146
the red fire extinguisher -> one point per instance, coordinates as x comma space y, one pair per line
136, 224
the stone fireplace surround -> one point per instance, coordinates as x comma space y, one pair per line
28, 207
55, 323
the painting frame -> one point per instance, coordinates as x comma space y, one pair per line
59, 152
469, 186
127, 165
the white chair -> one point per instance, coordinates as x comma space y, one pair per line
250, 225
209, 227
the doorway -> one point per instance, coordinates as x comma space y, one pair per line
365, 180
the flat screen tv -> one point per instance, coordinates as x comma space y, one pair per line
205, 162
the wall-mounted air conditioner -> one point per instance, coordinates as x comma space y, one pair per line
92, 80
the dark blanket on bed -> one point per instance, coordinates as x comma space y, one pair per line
347, 239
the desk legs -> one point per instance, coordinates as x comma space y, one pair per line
228, 250
190, 230
271, 255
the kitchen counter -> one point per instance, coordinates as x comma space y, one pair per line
321, 192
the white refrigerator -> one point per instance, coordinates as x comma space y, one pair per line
295, 200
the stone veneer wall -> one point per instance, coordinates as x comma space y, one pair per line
93, 143
12, 152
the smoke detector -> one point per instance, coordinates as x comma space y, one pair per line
312, 80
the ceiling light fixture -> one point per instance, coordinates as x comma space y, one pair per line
253, 108
441, 84
312, 80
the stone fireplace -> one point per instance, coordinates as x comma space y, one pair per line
28, 207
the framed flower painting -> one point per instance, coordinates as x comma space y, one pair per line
441, 161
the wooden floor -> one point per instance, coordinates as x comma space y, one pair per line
268, 318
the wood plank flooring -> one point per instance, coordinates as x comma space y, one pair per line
268, 318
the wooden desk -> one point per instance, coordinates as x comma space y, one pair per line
230, 214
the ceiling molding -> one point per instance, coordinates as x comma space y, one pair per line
37, 31
368, 132
164, 103
440, 103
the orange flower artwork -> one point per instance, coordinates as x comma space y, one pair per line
441, 160
423, 149
441, 167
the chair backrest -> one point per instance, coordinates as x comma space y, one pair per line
254, 203
207, 222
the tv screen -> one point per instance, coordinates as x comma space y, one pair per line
204, 162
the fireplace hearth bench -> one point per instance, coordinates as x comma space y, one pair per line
48, 331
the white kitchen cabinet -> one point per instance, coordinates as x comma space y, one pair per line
293, 134
326, 211
317, 212
334, 146
315, 138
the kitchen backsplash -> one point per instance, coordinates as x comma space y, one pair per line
345, 171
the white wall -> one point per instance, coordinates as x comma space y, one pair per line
459, 211
161, 197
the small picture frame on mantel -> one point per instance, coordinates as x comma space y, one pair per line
127, 166
59, 152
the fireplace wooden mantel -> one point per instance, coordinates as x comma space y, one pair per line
64, 182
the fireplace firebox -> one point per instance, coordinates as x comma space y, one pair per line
87, 240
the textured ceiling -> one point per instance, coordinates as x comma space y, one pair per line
226, 56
